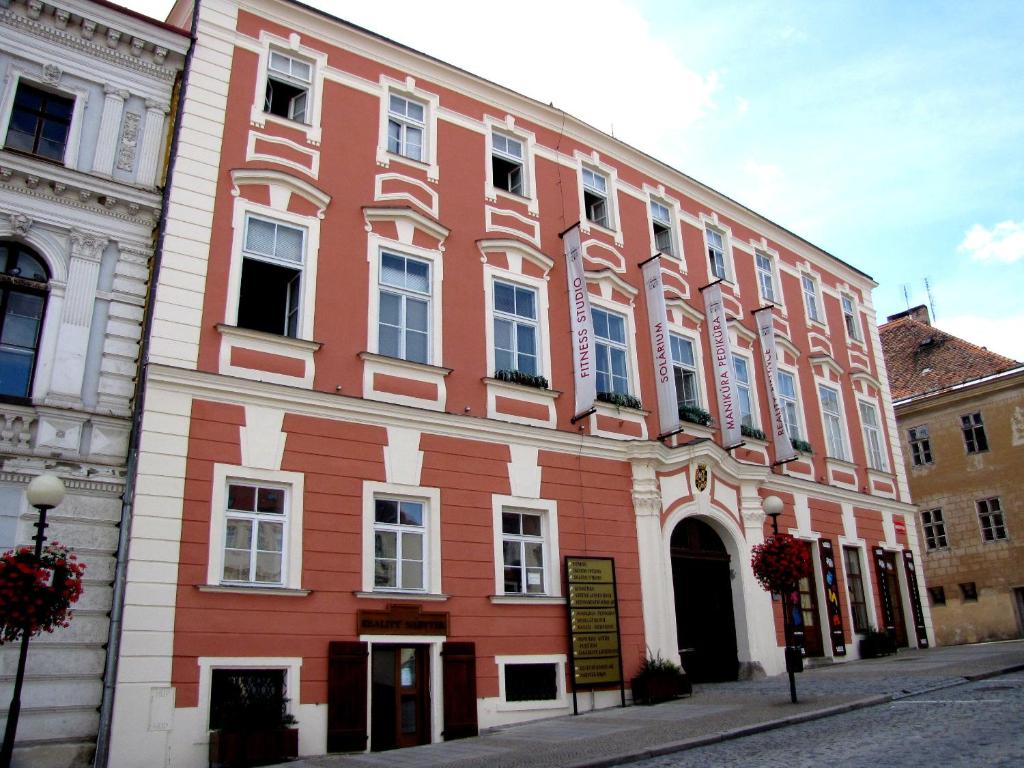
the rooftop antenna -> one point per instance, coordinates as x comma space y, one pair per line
931, 300
906, 294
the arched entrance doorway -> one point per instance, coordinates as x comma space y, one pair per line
705, 624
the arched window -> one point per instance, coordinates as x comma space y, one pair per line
23, 278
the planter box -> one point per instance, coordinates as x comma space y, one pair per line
237, 749
875, 644
654, 690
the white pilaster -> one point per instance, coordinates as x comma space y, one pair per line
110, 124
755, 621
76, 317
152, 137
655, 569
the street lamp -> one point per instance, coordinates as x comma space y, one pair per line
772, 506
44, 493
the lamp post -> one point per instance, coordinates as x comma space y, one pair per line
44, 493
772, 507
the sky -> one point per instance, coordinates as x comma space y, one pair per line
890, 134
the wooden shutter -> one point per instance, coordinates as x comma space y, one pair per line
346, 697
459, 669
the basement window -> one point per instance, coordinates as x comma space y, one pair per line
531, 682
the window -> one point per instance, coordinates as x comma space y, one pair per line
974, 433
787, 402
406, 126
288, 87
684, 369
937, 595
969, 591
743, 391
873, 437
251, 698
399, 545
855, 586
810, 289
595, 198
833, 422
661, 221
404, 326
22, 301
993, 527
765, 276
934, 529
254, 534
40, 122
850, 317
523, 552
515, 328
716, 252
610, 331
920, 448
270, 294
531, 682
507, 163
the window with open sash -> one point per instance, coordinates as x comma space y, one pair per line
270, 294
507, 163
595, 198
661, 222
716, 253
288, 87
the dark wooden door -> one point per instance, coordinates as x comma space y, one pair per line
705, 624
346, 697
400, 698
892, 585
458, 662
809, 616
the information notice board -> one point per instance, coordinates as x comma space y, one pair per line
594, 648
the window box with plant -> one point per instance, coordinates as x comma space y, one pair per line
620, 399
751, 432
801, 445
519, 377
249, 721
659, 680
695, 415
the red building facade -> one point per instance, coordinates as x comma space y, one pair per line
360, 472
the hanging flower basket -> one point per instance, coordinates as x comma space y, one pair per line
36, 595
780, 562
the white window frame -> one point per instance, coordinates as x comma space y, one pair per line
406, 294
431, 500
560, 702
874, 437
376, 246
518, 162
669, 225
714, 252
751, 386
696, 369
293, 48
540, 287
517, 321
289, 78
405, 123
988, 514
548, 510
769, 275
798, 410
294, 483
298, 267
811, 297
851, 317
292, 667
840, 420
16, 73
408, 90
507, 128
593, 189
624, 346
277, 214
399, 530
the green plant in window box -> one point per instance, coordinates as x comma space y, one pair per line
694, 415
619, 399
753, 432
659, 680
519, 377
801, 445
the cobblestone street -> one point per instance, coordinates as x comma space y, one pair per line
975, 724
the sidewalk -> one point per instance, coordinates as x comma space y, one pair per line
715, 712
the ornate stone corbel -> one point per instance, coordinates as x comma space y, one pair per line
113, 38
52, 74
31, 182
87, 245
61, 17
159, 54
20, 223
34, 9
88, 29
137, 46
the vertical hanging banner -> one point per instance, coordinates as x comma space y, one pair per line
784, 450
835, 613
721, 363
657, 317
581, 324
915, 599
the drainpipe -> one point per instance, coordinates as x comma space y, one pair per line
131, 470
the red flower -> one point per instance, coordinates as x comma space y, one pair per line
780, 562
36, 594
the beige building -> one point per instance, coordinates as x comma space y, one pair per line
960, 412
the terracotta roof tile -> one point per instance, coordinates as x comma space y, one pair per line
920, 358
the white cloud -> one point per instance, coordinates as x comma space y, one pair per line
742, 105
1002, 243
997, 334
